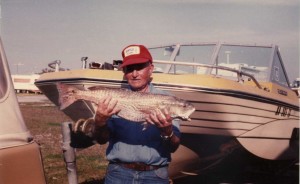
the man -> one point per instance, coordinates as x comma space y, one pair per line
135, 154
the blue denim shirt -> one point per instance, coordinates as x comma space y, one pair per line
128, 141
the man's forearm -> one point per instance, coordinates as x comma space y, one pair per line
101, 133
171, 141
174, 143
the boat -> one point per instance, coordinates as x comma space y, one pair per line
241, 92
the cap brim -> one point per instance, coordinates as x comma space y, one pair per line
134, 61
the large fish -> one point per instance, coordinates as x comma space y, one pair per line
135, 106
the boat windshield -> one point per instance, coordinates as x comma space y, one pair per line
214, 59
197, 54
248, 59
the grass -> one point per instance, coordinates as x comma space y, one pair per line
44, 124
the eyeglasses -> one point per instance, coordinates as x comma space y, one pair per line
137, 67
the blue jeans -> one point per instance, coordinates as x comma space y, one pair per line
117, 174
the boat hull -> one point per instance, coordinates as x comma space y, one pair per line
256, 124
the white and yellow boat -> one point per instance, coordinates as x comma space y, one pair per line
241, 93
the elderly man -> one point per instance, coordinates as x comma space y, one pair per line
136, 155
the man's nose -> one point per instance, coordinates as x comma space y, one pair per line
134, 73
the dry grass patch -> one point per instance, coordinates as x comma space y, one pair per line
44, 124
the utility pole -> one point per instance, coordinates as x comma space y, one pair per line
18, 64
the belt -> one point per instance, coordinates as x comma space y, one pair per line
138, 166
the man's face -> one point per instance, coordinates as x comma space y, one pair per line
138, 76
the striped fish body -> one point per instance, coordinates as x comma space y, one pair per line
135, 106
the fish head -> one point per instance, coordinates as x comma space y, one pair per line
182, 109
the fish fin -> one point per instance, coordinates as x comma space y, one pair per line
102, 88
65, 95
92, 88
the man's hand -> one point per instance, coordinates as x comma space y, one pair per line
106, 108
162, 119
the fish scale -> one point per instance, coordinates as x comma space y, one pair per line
135, 106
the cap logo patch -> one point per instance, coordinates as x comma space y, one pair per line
131, 51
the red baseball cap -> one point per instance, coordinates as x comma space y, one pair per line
135, 54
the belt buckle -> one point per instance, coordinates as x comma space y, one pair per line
140, 167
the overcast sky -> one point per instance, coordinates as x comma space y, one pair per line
36, 32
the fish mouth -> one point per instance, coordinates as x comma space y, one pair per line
182, 118
186, 119
186, 116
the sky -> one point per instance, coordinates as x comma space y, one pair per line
36, 32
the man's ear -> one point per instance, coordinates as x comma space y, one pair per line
151, 68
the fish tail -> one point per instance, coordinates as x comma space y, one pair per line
66, 95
